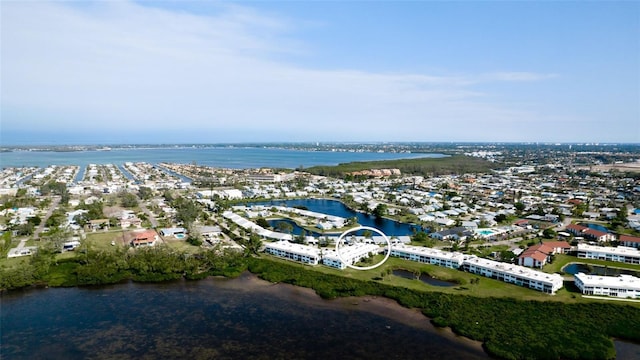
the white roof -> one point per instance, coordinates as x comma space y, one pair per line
620, 250
350, 252
299, 249
516, 270
622, 281
419, 250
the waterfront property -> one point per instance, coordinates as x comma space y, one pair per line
623, 286
426, 255
623, 254
296, 252
514, 274
253, 227
144, 238
351, 254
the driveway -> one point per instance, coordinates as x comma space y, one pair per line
52, 208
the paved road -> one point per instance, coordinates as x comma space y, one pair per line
54, 205
152, 218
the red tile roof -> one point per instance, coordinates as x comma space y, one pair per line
577, 228
595, 233
558, 244
538, 252
144, 237
629, 238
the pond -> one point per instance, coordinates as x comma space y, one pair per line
423, 277
295, 228
589, 269
336, 208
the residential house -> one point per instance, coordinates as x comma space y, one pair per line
144, 238
538, 255
455, 234
535, 256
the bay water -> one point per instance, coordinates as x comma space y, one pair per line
221, 157
216, 318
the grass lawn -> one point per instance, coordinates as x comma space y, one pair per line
561, 260
14, 262
183, 246
102, 240
486, 287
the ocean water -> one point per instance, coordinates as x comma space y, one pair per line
222, 157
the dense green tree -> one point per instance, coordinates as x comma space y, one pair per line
260, 221
254, 244
145, 193
128, 199
187, 210
519, 206
549, 233
380, 210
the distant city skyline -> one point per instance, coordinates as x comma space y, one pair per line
120, 72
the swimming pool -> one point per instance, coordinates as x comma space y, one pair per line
179, 236
486, 232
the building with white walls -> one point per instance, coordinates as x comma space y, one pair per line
623, 286
514, 274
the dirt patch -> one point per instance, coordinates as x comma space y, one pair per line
113, 211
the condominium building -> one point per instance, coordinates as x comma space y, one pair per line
623, 254
514, 274
296, 252
623, 286
351, 254
426, 255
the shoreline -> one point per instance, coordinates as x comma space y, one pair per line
377, 305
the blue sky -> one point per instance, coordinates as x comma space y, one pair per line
151, 72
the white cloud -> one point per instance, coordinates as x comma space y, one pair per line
124, 65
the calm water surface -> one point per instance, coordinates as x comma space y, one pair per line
574, 268
223, 157
244, 318
336, 208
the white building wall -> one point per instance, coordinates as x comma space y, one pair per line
623, 286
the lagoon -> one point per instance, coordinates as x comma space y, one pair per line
337, 208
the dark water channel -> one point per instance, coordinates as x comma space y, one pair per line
244, 318
589, 269
423, 277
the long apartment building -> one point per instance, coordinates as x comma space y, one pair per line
311, 255
514, 274
351, 254
295, 252
623, 286
622, 254
426, 255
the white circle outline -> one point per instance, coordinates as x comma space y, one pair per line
363, 228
